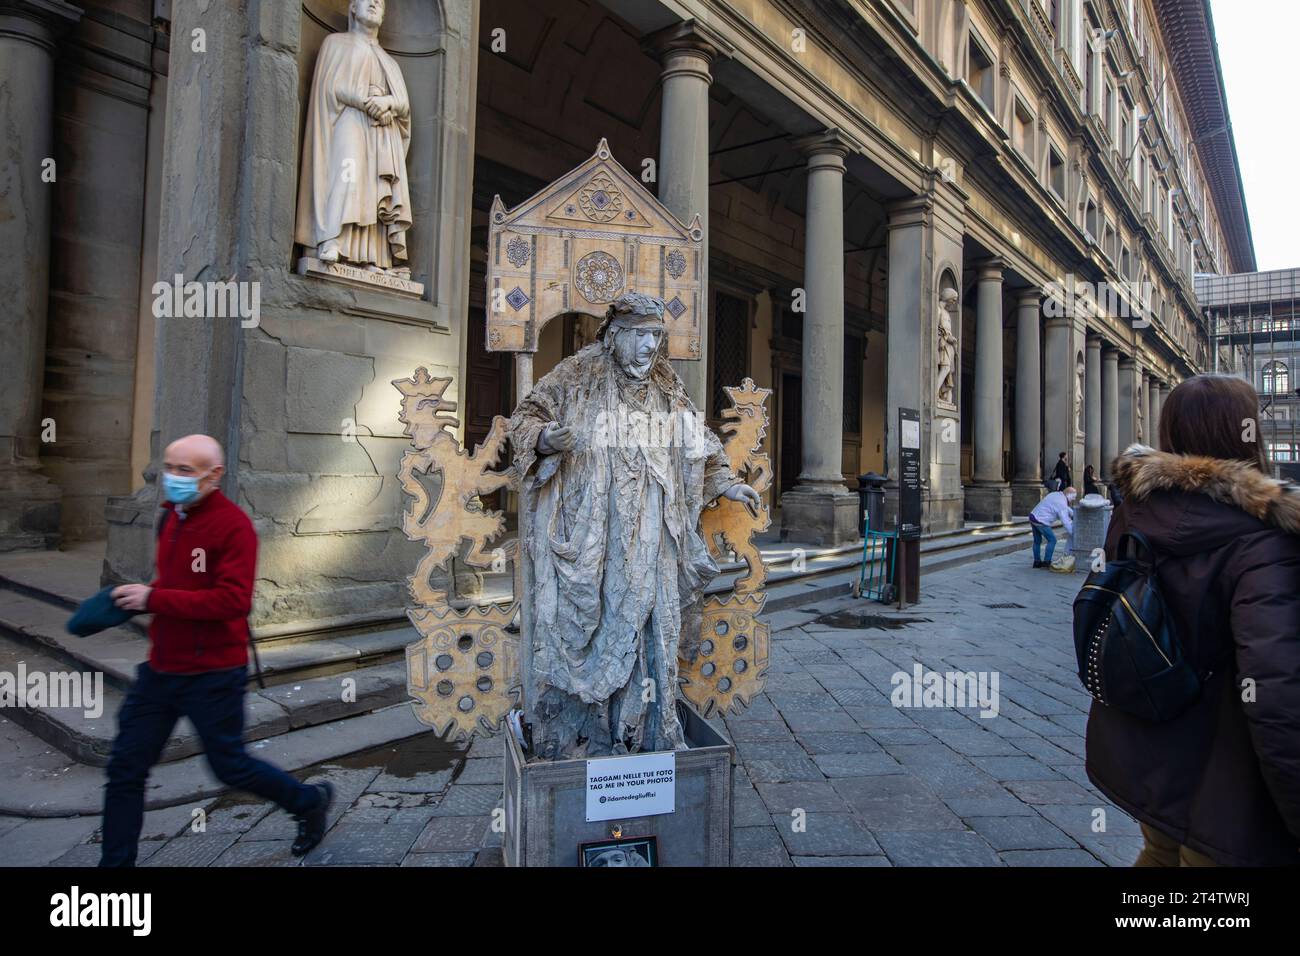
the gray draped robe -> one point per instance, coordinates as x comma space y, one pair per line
618, 561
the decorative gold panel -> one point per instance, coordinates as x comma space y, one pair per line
587, 238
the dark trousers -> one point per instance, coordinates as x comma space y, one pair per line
214, 703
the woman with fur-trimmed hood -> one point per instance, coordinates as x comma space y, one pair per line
1220, 783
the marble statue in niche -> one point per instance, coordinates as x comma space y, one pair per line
616, 466
1141, 432
1078, 395
946, 349
354, 200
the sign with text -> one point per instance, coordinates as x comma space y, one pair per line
909, 473
638, 786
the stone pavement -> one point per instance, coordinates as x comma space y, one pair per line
829, 772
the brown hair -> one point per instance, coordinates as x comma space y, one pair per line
1214, 415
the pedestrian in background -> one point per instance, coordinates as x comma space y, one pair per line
1090, 486
198, 655
1054, 507
1062, 473
1219, 783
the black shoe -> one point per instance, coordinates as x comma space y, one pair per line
1040, 564
311, 825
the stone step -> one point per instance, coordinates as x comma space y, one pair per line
779, 557
42, 782
304, 677
839, 581
40, 623
277, 709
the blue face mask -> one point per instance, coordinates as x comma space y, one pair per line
180, 489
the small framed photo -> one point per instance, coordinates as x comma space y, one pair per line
629, 851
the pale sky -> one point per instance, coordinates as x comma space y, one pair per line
1257, 48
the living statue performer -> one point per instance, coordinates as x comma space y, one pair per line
354, 200
616, 466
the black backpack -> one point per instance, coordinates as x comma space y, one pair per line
1128, 654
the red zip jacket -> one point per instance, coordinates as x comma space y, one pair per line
203, 593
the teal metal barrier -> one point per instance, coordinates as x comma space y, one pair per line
875, 580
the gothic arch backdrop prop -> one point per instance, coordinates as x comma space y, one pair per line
587, 238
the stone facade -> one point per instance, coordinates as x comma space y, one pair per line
835, 208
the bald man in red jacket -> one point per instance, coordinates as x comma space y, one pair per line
198, 655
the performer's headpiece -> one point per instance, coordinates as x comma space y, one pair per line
633, 310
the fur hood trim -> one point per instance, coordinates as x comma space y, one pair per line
1142, 470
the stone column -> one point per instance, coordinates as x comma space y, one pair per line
1092, 407
820, 508
1027, 488
1060, 416
1162, 396
1153, 404
687, 51
1128, 398
29, 502
988, 498
1142, 399
1109, 409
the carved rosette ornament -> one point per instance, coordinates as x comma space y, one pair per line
675, 263
599, 277
600, 200
517, 251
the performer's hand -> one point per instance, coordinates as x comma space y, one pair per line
555, 437
746, 496
131, 597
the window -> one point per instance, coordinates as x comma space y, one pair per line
1056, 172
1125, 264
1108, 107
1283, 450
1090, 219
979, 72
1108, 242
1022, 133
730, 346
853, 383
1090, 62
1276, 379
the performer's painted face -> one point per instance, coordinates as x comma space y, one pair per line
635, 349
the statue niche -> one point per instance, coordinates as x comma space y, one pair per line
354, 199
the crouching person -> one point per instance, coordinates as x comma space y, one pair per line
1056, 506
198, 656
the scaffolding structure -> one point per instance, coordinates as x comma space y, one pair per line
1254, 328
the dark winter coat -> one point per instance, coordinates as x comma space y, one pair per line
1223, 777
